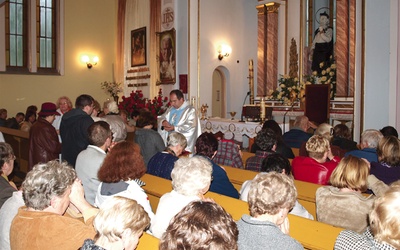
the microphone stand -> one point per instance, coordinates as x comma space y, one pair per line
284, 115
241, 115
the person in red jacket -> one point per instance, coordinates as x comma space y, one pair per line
44, 145
320, 163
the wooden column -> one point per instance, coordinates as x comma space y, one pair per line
345, 47
267, 64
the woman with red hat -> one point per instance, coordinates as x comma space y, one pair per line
44, 145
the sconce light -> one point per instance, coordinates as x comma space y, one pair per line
224, 51
90, 64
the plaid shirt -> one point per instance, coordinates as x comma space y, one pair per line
228, 154
254, 163
351, 240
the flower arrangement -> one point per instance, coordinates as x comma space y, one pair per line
290, 89
112, 88
157, 106
327, 75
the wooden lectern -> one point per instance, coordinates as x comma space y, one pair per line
317, 103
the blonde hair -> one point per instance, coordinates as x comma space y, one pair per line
325, 130
351, 172
388, 150
316, 146
191, 175
270, 192
69, 103
118, 214
175, 139
384, 217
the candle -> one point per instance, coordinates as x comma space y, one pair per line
251, 81
262, 107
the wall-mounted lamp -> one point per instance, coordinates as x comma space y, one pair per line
224, 51
90, 63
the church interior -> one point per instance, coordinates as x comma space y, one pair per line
213, 46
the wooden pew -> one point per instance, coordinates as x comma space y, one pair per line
19, 141
305, 190
148, 242
311, 234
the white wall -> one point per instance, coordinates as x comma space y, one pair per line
233, 22
377, 68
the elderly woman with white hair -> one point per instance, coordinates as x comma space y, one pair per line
118, 127
191, 178
119, 225
48, 191
162, 163
271, 197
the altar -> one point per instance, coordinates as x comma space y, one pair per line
233, 129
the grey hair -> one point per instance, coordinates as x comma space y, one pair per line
191, 175
46, 181
175, 139
371, 137
111, 106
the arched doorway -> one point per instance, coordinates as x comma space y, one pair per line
219, 92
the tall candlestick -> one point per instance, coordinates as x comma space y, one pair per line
251, 81
262, 111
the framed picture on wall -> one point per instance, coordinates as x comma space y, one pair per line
138, 47
166, 62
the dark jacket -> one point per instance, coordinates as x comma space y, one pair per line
12, 123
295, 137
6, 190
74, 134
44, 145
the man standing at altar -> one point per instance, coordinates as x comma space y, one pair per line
181, 117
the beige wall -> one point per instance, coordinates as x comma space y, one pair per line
90, 27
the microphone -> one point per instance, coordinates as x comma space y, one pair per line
284, 115
241, 115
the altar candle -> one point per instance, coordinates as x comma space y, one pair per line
262, 107
251, 81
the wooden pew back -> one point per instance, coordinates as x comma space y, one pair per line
19, 141
311, 234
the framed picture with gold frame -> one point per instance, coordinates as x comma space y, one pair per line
166, 57
138, 47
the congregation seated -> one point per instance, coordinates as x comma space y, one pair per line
325, 130
342, 138
162, 163
48, 191
266, 141
7, 158
319, 165
228, 154
298, 134
117, 125
14, 122
342, 204
368, 144
119, 225
120, 175
387, 169
201, 225
191, 178
279, 164
383, 232
281, 147
149, 140
90, 160
206, 147
271, 197
389, 131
